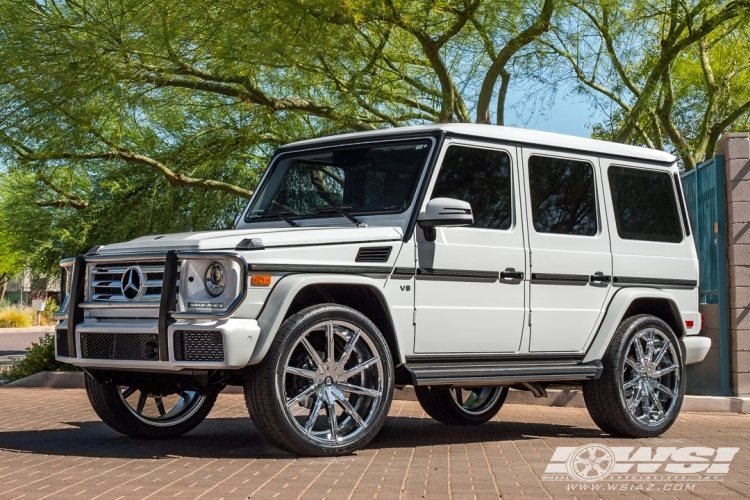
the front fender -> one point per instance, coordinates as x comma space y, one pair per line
283, 294
615, 313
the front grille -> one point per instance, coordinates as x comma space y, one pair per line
126, 346
373, 254
198, 346
107, 281
62, 343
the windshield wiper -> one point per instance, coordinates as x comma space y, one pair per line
341, 211
280, 215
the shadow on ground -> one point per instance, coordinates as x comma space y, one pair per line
238, 438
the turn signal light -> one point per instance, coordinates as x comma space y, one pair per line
260, 280
689, 323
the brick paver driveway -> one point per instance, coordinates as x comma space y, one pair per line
53, 446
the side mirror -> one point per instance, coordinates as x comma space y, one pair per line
444, 212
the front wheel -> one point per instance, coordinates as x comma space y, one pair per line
461, 405
326, 384
640, 391
147, 415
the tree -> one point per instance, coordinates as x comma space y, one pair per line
676, 73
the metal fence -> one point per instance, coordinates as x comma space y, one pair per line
705, 197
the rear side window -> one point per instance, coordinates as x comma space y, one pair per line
481, 177
563, 198
645, 205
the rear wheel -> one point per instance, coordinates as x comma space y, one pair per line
143, 414
640, 391
461, 405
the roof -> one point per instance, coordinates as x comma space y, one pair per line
509, 134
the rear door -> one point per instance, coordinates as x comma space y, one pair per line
571, 262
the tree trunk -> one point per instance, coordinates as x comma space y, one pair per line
3, 285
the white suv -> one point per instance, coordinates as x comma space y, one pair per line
460, 259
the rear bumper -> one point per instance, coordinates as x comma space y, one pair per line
239, 338
695, 348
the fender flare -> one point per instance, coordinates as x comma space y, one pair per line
616, 309
282, 295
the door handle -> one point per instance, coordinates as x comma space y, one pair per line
600, 277
511, 274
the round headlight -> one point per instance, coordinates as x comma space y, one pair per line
216, 279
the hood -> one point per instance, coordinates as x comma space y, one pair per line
274, 237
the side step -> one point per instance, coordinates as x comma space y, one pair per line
485, 373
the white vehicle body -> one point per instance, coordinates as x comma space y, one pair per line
476, 305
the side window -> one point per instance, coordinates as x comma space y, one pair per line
645, 205
563, 198
481, 177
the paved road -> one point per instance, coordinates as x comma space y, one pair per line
14, 340
53, 446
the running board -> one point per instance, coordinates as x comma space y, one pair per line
487, 373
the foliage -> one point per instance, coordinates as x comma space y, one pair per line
16, 317
129, 117
670, 75
39, 357
50, 308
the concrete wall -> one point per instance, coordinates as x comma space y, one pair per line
735, 147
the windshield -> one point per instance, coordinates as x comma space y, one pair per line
365, 179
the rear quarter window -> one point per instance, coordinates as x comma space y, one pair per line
645, 205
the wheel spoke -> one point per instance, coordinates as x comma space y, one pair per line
639, 350
141, 403
349, 347
646, 406
361, 367
664, 371
636, 398
300, 372
128, 392
631, 383
662, 352
348, 408
656, 401
333, 425
666, 390
355, 389
313, 415
313, 353
329, 341
299, 397
160, 406
631, 362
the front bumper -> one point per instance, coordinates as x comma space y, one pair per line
239, 338
151, 343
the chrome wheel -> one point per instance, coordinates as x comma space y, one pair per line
332, 383
476, 400
651, 377
158, 409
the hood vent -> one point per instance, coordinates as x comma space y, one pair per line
373, 254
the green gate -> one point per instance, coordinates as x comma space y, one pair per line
704, 194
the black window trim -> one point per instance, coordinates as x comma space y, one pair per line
599, 223
465, 142
674, 192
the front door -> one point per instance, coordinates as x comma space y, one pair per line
462, 303
571, 263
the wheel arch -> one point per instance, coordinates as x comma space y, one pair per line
296, 292
629, 302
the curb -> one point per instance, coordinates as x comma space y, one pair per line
557, 397
30, 330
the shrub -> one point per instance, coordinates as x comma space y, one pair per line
40, 357
16, 317
50, 309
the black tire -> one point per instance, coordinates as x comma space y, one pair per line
115, 412
269, 387
654, 411
442, 404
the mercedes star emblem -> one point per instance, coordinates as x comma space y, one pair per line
132, 283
